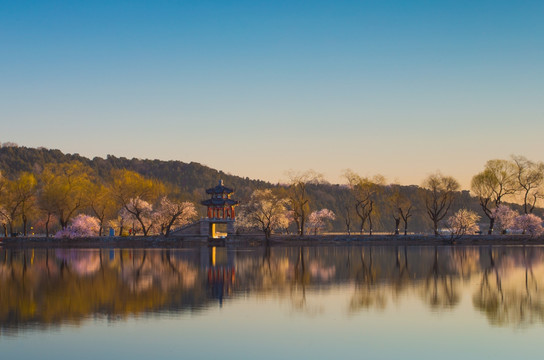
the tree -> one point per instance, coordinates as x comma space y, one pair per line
26, 191
63, 189
118, 224
265, 211
102, 203
3, 212
318, 220
134, 194
139, 211
364, 192
491, 186
504, 218
298, 196
529, 223
82, 226
530, 177
439, 195
46, 200
463, 222
17, 198
346, 207
401, 207
173, 213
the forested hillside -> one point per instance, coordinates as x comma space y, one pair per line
190, 181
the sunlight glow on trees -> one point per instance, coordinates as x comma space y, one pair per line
439, 196
463, 222
265, 211
317, 221
491, 186
81, 226
529, 223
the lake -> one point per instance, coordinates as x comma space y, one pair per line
318, 302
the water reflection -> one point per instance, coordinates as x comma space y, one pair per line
40, 288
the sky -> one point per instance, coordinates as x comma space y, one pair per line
257, 88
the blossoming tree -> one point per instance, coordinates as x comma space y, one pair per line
318, 220
264, 211
81, 226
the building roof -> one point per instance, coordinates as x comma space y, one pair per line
219, 202
219, 189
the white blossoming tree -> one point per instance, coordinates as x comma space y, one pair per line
463, 222
140, 213
171, 214
265, 211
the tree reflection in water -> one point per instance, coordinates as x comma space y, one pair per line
440, 288
52, 286
509, 291
367, 294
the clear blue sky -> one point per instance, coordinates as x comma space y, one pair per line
255, 88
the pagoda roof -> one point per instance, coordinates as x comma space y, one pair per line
219, 202
219, 189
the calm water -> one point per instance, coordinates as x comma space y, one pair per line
275, 303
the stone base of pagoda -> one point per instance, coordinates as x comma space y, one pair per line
209, 227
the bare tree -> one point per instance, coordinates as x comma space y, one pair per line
439, 195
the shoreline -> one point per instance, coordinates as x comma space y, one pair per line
278, 240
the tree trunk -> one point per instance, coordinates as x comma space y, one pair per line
298, 225
491, 225
5, 229
47, 225
144, 229
25, 221
435, 223
347, 221
405, 227
397, 224
101, 226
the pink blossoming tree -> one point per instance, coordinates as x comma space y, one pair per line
529, 223
318, 220
82, 226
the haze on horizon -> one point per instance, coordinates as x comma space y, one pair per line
256, 88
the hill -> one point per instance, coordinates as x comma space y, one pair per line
193, 178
